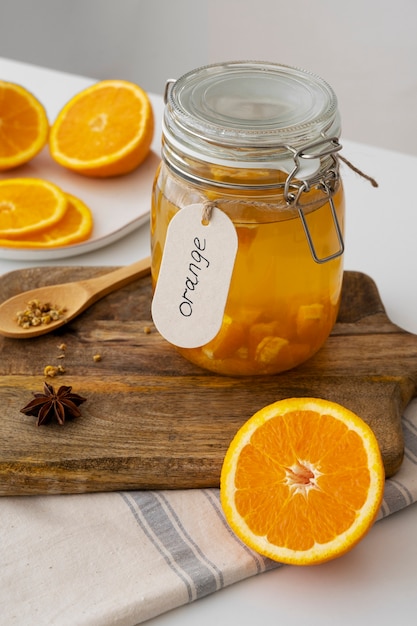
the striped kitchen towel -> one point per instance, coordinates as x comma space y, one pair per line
123, 558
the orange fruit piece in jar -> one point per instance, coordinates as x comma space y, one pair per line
302, 481
228, 340
74, 227
24, 125
104, 130
309, 316
29, 205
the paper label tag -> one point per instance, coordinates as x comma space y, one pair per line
194, 279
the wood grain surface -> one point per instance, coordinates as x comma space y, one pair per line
154, 420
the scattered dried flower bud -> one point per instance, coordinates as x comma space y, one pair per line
53, 370
147, 330
97, 357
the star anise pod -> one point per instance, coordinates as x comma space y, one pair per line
49, 405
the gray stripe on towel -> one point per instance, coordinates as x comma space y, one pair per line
212, 566
262, 563
135, 510
158, 520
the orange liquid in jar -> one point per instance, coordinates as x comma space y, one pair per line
282, 305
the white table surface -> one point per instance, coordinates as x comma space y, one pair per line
377, 581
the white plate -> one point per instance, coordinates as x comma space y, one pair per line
119, 205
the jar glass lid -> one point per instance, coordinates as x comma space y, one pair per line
247, 105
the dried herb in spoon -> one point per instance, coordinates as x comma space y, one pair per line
50, 405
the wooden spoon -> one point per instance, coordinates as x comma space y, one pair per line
74, 297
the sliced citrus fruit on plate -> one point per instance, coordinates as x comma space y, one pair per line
74, 227
302, 481
24, 125
29, 205
105, 130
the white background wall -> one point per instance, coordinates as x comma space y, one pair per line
366, 49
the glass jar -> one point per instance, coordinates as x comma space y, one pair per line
259, 141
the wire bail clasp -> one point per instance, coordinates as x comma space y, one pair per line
328, 182
168, 85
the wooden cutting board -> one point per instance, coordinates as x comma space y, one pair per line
153, 420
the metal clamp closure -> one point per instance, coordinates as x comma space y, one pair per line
338, 230
168, 85
327, 146
328, 183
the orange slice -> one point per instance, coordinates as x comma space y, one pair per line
24, 125
302, 481
74, 227
29, 205
105, 130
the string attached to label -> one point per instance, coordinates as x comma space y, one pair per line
206, 213
195, 274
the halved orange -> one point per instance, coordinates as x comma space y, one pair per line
74, 227
29, 205
105, 130
24, 125
302, 481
